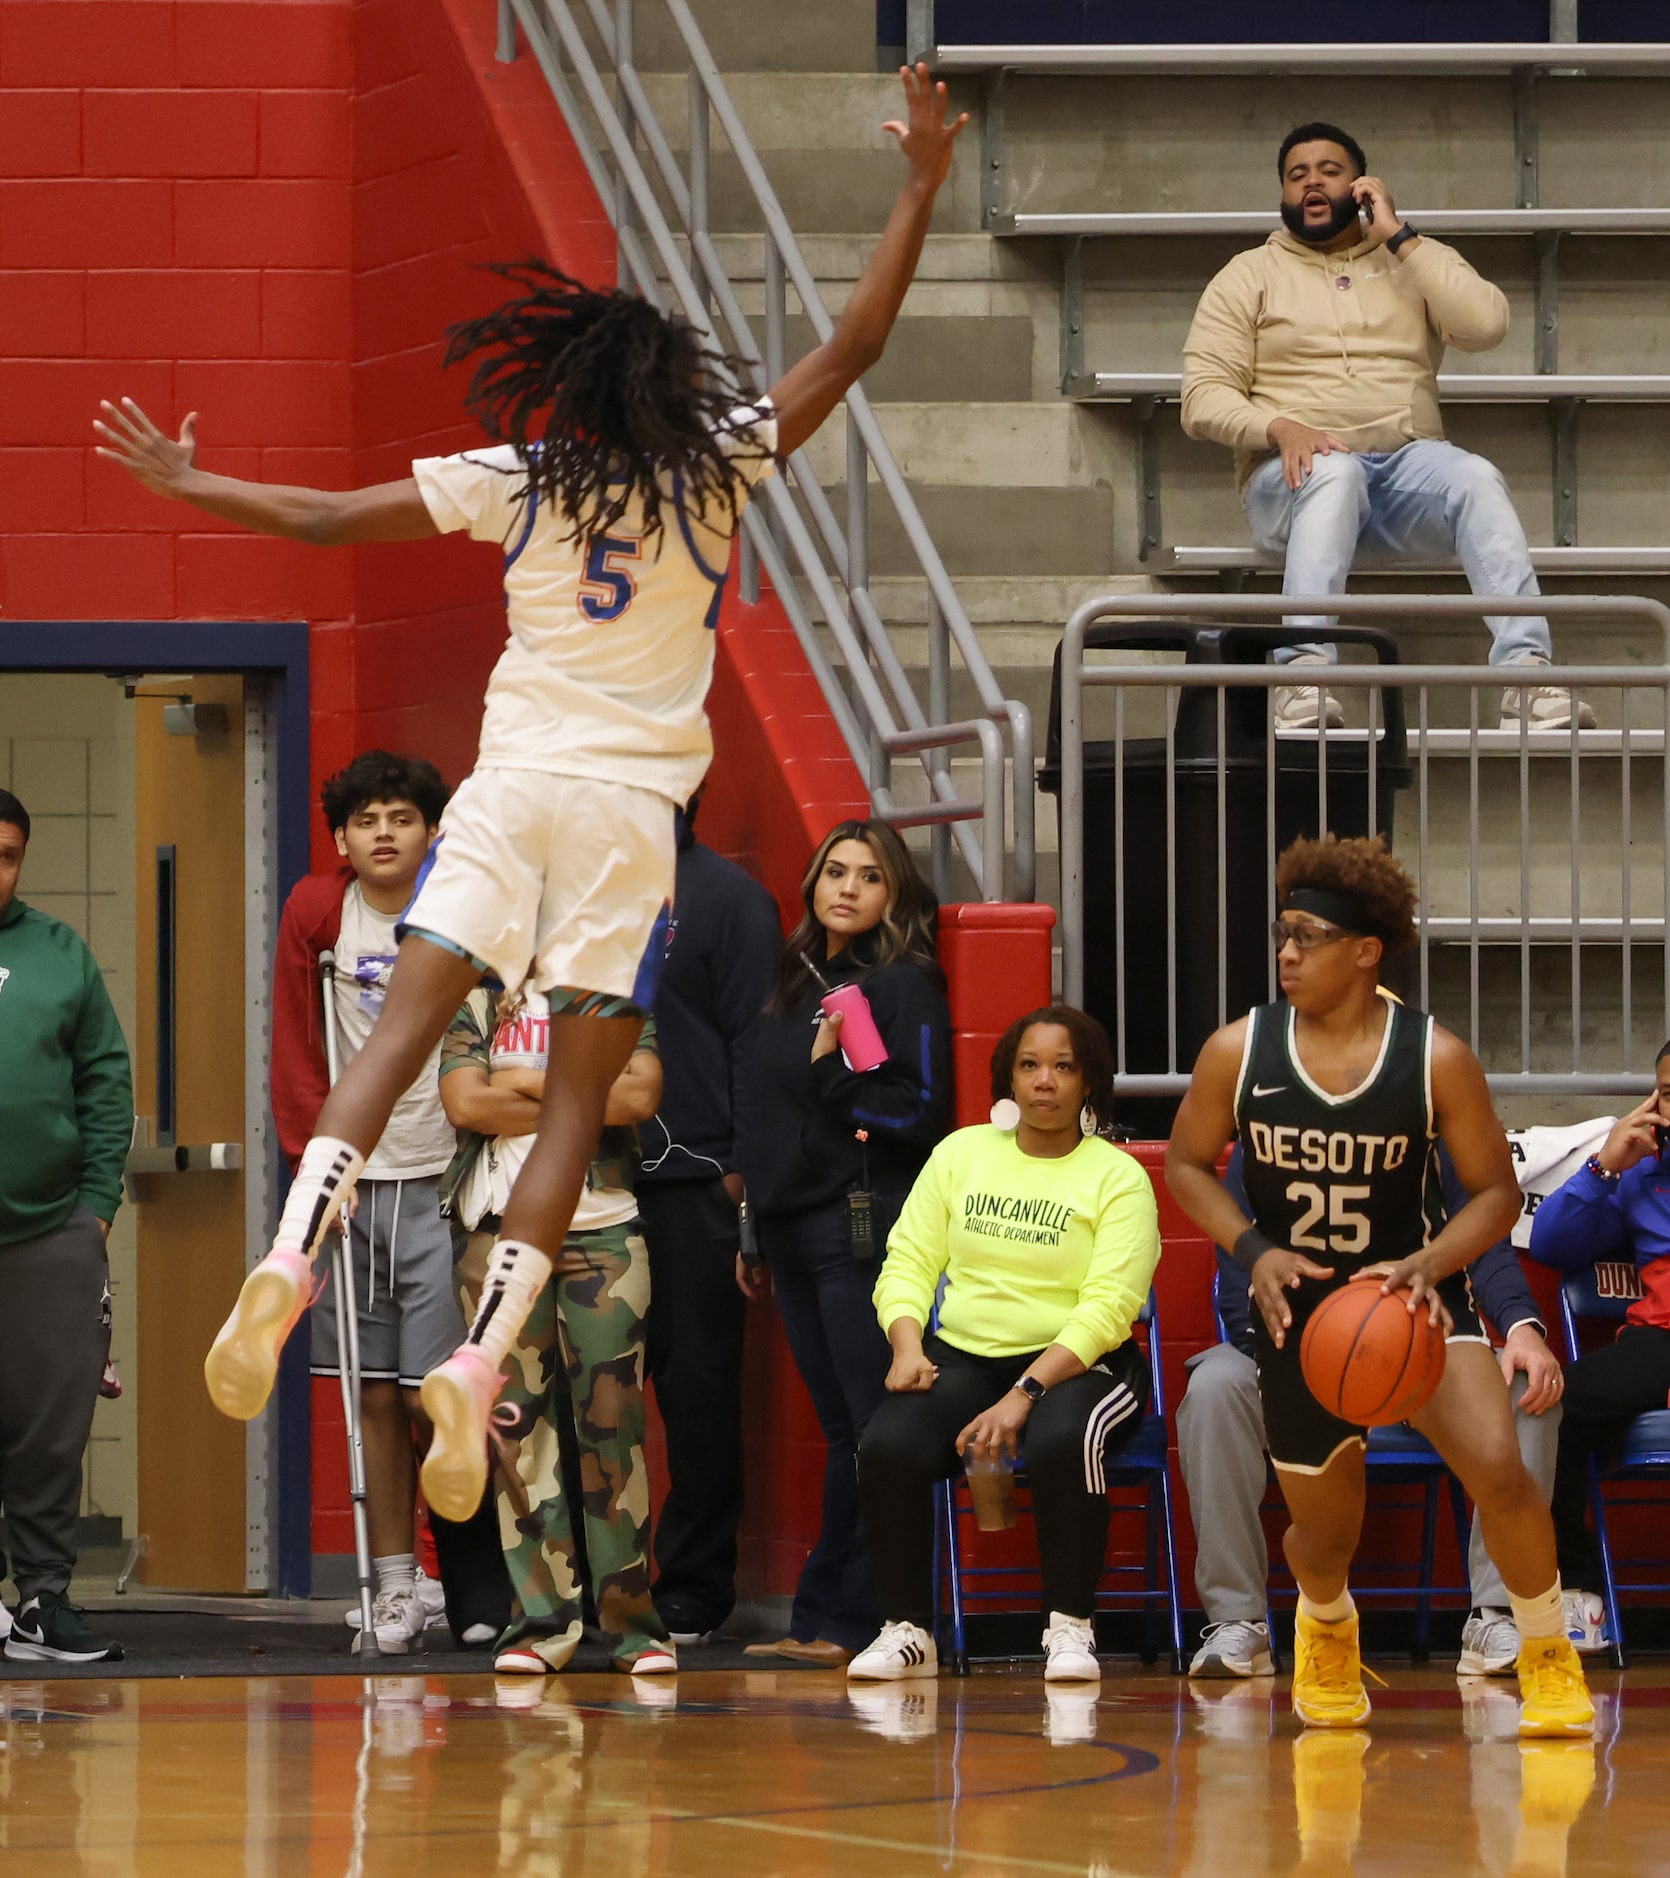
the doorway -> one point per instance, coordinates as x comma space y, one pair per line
168, 794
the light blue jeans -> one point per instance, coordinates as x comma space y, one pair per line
1428, 501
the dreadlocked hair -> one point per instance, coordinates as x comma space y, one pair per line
603, 398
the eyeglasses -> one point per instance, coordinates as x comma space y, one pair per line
1307, 938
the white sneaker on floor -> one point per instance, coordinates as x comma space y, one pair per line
901, 1653
428, 1590
1586, 1623
5, 1621
398, 1619
1302, 707
1489, 1644
1070, 1650
1235, 1648
1544, 707
536, 1655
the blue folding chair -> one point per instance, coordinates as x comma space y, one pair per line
1605, 1290
1140, 1464
1396, 1457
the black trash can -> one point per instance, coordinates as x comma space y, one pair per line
1151, 936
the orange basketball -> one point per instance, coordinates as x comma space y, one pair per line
1367, 1359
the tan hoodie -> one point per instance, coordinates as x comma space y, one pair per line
1350, 342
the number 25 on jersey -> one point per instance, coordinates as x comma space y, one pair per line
611, 577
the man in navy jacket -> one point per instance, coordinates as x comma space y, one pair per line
1220, 1439
1616, 1206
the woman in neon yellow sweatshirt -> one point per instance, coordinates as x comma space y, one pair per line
1047, 1237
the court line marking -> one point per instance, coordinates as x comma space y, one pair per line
1005, 1859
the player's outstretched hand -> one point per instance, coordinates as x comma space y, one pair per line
1278, 1272
925, 137
1408, 1275
131, 439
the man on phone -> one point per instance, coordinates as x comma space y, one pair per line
1315, 358
1615, 1207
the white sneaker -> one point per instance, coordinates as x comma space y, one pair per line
428, 1590
398, 1619
900, 1654
1489, 1644
898, 1714
1586, 1623
1303, 707
1236, 1648
1070, 1650
1544, 707
5, 1621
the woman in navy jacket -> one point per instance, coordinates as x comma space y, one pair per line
828, 1156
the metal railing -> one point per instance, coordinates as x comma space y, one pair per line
878, 712
1541, 857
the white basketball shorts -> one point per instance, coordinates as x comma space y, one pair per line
557, 880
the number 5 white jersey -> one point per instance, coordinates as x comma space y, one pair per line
606, 672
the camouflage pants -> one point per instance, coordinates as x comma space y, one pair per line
584, 1336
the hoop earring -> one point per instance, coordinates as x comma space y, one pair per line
1006, 1115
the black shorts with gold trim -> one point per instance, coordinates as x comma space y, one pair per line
1300, 1433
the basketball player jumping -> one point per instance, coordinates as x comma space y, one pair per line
615, 492
1340, 1096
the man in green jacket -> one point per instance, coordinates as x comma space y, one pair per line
66, 1118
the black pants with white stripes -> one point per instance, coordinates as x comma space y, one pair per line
911, 1442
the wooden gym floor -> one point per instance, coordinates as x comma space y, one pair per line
750, 1776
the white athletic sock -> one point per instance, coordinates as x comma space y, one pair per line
1335, 1613
325, 1178
1542, 1616
397, 1571
516, 1274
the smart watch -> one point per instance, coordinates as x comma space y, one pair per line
1031, 1388
1405, 233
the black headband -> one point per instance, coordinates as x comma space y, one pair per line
1339, 909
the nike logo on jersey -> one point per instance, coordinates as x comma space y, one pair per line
1274, 1089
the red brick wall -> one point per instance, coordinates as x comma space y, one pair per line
174, 226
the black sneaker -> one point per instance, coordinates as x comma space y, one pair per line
49, 1628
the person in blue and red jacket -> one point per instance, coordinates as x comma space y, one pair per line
382, 811
1616, 1206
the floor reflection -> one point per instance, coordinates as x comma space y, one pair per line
407, 1776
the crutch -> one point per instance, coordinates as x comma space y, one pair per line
348, 1343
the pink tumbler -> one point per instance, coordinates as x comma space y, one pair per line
861, 1042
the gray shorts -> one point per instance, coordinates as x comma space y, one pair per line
401, 1264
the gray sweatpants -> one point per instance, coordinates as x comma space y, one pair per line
1220, 1441
53, 1344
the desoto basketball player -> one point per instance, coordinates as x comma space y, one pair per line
1340, 1096
622, 469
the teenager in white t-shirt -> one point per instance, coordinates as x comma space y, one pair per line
615, 495
382, 810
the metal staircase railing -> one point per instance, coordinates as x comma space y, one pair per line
878, 712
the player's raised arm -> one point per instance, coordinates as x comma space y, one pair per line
806, 394
167, 466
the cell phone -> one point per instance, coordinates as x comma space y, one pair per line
861, 1230
748, 1242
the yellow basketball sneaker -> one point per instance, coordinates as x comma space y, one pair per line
1552, 1686
458, 1397
243, 1360
1328, 1687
